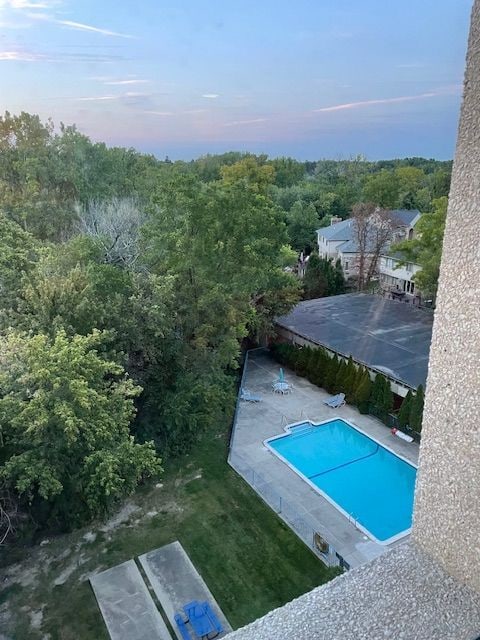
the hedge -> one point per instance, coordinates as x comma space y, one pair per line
337, 375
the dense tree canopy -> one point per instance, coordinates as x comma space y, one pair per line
65, 413
129, 285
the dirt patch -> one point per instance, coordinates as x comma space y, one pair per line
69, 570
90, 536
121, 517
36, 618
86, 576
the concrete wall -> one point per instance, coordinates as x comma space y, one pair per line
447, 508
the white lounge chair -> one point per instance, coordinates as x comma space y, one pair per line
246, 395
335, 401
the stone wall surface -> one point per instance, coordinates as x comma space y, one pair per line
403, 595
447, 507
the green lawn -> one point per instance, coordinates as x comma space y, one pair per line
250, 560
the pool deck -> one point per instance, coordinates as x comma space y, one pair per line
255, 422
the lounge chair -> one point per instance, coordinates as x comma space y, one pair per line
335, 401
248, 396
213, 617
180, 622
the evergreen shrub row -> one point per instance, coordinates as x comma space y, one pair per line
337, 375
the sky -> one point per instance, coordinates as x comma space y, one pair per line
305, 78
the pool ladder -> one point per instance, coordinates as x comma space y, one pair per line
353, 520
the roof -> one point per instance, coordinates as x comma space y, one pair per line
345, 231
387, 335
338, 231
352, 246
405, 217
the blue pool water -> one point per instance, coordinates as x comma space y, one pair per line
362, 478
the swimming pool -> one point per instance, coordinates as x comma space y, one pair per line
367, 482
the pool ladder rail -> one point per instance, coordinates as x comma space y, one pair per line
303, 416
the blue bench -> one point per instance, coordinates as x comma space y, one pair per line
184, 632
213, 617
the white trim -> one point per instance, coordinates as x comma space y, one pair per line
288, 431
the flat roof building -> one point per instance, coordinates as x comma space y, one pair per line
385, 335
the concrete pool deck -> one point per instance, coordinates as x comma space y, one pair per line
302, 508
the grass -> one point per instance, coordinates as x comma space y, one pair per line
250, 560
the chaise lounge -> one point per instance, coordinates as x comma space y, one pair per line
248, 396
335, 401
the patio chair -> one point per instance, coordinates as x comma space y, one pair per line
182, 627
282, 387
248, 396
335, 401
213, 618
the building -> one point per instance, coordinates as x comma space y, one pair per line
339, 240
383, 335
397, 278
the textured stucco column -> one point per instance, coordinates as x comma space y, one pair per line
447, 507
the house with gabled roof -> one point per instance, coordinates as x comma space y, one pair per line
339, 241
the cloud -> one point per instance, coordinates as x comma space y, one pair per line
123, 82
368, 103
210, 96
28, 4
411, 65
87, 27
71, 24
96, 98
194, 111
159, 113
20, 56
236, 123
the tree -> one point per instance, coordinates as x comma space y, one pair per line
331, 374
301, 365
18, 255
302, 221
350, 378
410, 182
416, 410
405, 409
320, 366
287, 171
363, 392
249, 171
426, 248
382, 189
65, 413
340, 377
315, 282
224, 244
115, 227
378, 390
386, 405
323, 278
339, 278
372, 230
